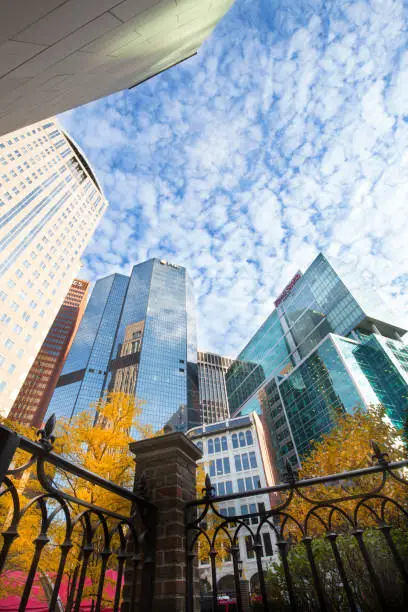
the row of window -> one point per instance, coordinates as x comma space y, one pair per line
265, 550
243, 462
250, 483
217, 445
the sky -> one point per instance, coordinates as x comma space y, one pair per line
285, 136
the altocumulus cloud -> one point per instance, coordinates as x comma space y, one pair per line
286, 135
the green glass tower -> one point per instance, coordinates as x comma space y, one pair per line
329, 346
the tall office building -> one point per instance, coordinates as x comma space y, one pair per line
56, 54
35, 394
50, 204
211, 369
329, 346
137, 336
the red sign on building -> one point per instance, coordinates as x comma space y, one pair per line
288, 289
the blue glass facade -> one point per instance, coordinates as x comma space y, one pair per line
317, 303
315, 392
137, 336
83, 375
318, 353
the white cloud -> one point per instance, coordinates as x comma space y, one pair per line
285, 136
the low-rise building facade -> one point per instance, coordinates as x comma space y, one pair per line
237, 457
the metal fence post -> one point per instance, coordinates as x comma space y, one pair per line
9, 441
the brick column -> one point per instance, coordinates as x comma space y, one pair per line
169, 463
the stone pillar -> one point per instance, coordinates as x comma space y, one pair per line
169, 464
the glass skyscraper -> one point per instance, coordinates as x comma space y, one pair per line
137, 336
327, 347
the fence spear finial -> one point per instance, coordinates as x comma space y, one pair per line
45, 434
378, 456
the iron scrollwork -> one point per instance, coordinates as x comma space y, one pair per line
91, 534
349, 507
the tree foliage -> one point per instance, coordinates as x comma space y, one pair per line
98, 440
346, 447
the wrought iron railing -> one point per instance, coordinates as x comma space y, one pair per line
99, 546
341, 541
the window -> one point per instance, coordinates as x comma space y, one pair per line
5, 319
9, 344
224, 444
238, 465
20, 353
11, 283
2, 385
3, 296
267, 545
33, 304
2, 360
252, 459
35, 324
19, 273
27, 338
25, 316
248, 483
210, 447
220, 467
217, 445
234, 440
245, 461
249, 547
11, 368
248, 436
18, 329
14, 306
242, 438
224, 488
244, 510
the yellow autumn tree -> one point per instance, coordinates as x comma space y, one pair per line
97, 440
348, 447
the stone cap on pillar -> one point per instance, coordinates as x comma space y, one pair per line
166, 443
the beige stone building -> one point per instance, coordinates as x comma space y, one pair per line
50, 204
56, 55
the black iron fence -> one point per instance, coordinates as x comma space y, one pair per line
340, 542
81, 551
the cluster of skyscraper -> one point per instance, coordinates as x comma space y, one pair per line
328, 345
